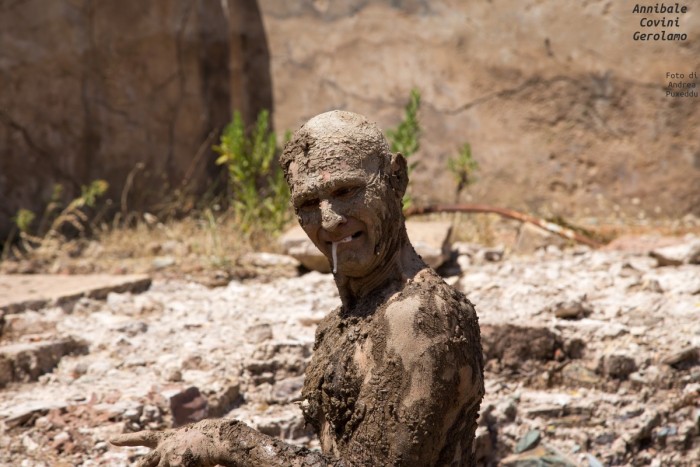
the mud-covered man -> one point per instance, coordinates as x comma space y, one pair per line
396, 376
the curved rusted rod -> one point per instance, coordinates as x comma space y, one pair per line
509, 213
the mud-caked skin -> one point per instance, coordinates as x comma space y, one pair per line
396, 377
400, 385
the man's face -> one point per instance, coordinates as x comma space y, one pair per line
344, 200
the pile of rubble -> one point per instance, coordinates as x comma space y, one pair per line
593, 357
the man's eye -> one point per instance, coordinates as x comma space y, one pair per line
344, 192
309, 204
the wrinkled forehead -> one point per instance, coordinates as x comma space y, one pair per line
309, 172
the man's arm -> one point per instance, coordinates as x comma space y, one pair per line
223, 442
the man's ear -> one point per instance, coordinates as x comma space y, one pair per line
399, 174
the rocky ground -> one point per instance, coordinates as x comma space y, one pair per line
593, 358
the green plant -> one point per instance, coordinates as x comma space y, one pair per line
257, 189
74, 214
23, 220
53, 219
463, 167
405, 138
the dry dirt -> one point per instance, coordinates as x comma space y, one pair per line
592, 358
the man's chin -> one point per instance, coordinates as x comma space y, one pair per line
356, 269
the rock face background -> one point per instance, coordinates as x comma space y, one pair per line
90, 89
565, 112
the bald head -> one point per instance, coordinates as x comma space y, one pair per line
338, 136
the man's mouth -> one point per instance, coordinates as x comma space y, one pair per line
346, 239
334, 248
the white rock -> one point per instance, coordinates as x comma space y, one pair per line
684, 253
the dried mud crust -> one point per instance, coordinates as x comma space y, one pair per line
400, 385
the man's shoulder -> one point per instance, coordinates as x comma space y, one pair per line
429, 284
428, 302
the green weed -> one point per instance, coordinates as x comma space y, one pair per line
257, 189
463, 167
56, 221
405, 138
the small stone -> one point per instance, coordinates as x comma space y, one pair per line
545, 411
464, 248
692, 388
150, 219
529, 441
188, 406
162, 262
311, 319
133, 414
651, 376
464, 262
296, 243
578, 375
150, 414
43, 423
116, 299
652, 285
508, 409
632, 412
266, 377
223, 400
612, 330
133, 328
29, 444
173, 247
650, 420
79, 369
618, 366
532, 238
101, 446
675, 255
593, 462
173, 375
511, 344
269, 260
684, 358
687, 432
270, 264
288, 390
492, 255
61, 438
553, 250
619, 447
430, 240
605, 438
574, 348
258, 333
572, 309
539, 456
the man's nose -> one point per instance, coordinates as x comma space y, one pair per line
330, 219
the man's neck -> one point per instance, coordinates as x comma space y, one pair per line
402, 265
